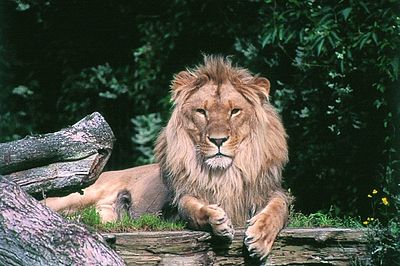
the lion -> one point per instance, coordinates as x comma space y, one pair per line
220, 161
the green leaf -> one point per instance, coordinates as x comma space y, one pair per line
22, 91
331, 41
346, 12
395, 66
281, 34
320, 47
289, 37
365, 7
22, 6
375, 38
335, 36
108, 95
364, 39
266, 40
275, 32
380, 87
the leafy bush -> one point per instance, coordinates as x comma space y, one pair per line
385, 243
147, 128
333, 66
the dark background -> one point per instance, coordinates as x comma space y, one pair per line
333, 67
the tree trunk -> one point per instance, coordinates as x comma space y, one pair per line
61, 162
32, 234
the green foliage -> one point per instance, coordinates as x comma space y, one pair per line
385, 243
14, 120
96, 87
91, 218
147, 128
334, 65
320, 219
385, 218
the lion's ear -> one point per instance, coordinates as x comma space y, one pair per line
263, 86
180, 80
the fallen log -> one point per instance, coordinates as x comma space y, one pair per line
299, 246
32, 234
59, 163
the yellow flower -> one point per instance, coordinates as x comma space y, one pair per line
385, 201
369, 196
365, 222
374, 191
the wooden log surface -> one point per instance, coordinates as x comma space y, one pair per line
311, 246
32, 234
59, 163
87, 137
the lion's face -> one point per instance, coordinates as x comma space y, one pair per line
218, 119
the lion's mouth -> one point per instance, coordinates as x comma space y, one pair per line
219, 160
217, 155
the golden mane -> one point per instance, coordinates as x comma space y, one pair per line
256, 169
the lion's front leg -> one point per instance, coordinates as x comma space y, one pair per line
264, 227
204, 217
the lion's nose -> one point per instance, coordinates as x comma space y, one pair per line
218, 141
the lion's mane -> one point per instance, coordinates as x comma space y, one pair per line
256, 171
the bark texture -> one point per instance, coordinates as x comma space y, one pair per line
32, 234
61, 162
312, 246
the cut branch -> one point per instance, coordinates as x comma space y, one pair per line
59, 163
59, 179
89, 136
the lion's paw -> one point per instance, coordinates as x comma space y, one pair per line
220, 224
260, 235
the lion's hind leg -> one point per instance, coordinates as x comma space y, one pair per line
105, 207
68, 204
74, 201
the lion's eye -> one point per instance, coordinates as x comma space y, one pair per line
235, 111
201, 111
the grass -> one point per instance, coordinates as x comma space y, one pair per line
147, 222
318, 219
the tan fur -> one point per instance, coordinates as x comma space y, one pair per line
221, 155
256, 170
256, 146
144, 183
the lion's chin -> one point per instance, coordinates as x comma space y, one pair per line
219, 161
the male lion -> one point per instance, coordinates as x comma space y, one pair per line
220, 156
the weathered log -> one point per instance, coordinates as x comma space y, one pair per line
61, 178
331, 246
61, 162
32, 234
87, 137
